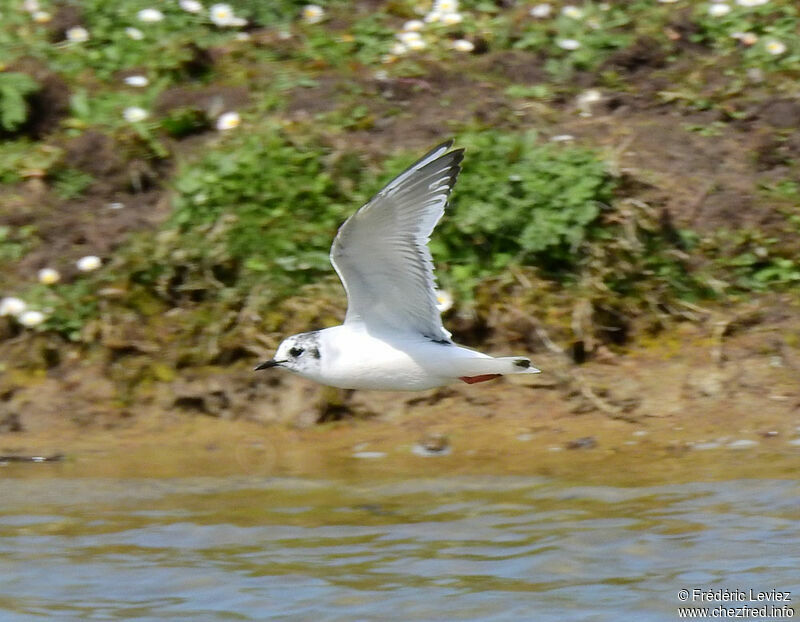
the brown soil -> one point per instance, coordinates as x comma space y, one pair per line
645, 55
514, 66
717, 175
69, 229
213, 99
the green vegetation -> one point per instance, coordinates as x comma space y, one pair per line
242, 219
264, 208
269, 207
15, 242
70, 183
69, 306
21, 158
14, 88
540, 207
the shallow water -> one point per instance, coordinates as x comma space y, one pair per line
446, 548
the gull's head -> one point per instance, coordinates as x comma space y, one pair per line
298, 353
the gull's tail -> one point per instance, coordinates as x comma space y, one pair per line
482, 369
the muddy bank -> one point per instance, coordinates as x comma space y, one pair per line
712, 399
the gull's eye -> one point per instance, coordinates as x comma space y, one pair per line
295, 352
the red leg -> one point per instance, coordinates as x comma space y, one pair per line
481, 378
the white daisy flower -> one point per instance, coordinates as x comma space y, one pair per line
751, 3
572, 12
150, 16
242, 36
445, 6
138, 81
407, 37
451, 19
562, 138
462, 45
444, 300
30, 319
11, 305
77, 34
88, 263
116, 205
718, 10
568, 44
48, 276
775, 47
134, 114
313, 14
415, 45
41, 17
31, 6
134, 33
398, 49
228, 121
433, 17
413, 25
191, 6
541, 11
221, 14
667, 1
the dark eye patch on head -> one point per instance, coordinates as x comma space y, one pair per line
296, 351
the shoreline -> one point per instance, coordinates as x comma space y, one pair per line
683, 406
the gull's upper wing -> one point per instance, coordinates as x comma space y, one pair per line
381, 253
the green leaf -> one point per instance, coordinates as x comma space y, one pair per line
14, 89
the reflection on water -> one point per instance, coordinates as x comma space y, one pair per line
440, 549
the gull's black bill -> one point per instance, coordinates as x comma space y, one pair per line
268, 364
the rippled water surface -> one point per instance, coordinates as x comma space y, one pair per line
471, 548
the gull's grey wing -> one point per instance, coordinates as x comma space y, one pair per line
381, 253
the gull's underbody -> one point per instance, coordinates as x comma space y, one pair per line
392, 337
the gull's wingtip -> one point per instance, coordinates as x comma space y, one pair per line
439, 150
445, 150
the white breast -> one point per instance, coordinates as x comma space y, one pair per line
354, 359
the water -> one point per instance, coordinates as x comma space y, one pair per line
445, 548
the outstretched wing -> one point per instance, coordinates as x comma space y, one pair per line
381, 253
